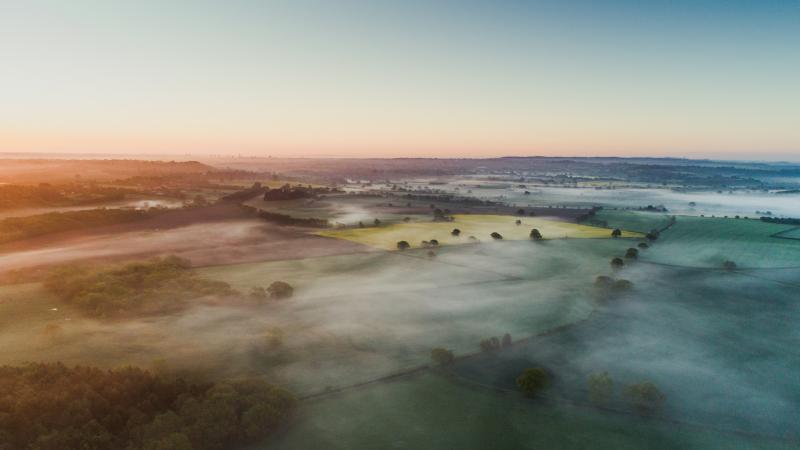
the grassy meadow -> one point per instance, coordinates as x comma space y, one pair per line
478, 225
707, 242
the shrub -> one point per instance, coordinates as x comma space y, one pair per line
645, 397
533, 381
403, 245
600, 388
279, 290
442, 356
496, 236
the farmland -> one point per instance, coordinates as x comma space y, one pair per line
479, 226
708, 242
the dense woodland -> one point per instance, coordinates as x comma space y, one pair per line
71, 194
54, 407
15, 228
156, 286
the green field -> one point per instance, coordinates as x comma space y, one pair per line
793, 233
430, 412
639, 221
480, 226
708, 242
352, 318
342, 209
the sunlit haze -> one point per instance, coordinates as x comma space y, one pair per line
374, 78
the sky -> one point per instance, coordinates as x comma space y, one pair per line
689, 78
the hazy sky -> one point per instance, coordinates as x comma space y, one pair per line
402, 78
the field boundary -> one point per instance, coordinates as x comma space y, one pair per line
780, 234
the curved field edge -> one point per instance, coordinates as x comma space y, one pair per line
480, 226
388, 415
707, 242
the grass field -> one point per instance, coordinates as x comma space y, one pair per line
639, 221
352, 318
793, 233
708, 242
480, 226
430, 412
719, 345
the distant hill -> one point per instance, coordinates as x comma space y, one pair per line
60, 170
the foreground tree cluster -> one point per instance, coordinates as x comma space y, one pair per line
51, 406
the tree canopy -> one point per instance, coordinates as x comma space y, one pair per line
533, 380
51, 406
153, 286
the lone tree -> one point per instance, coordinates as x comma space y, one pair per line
536, 235
532, 381
496, 236
603, 281
729, 265
616, 233
622, 285
645, 398
259, 294
617, 263
377, 222
632, 253
280, 290
403, 245
490, 344
600, 388
518, 222
456, 232
442, 356
433, 243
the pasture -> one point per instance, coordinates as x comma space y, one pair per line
479, 226
707, 242
433, 412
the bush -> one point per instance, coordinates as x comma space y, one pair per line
601, 388
456, 232
616, 233
617, 263
403, 245
280, 290
496, 236
632, 253
490, 344
442, 356
536, 235
645, 397
533, 380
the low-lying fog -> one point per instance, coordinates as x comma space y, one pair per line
721, 346
204, 244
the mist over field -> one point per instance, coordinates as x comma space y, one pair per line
630, 307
